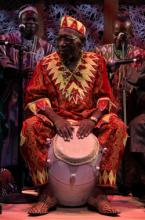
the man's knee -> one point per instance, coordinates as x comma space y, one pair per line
118, 124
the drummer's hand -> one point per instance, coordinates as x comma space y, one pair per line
85, 128
64, 128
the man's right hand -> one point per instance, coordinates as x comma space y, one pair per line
64, 128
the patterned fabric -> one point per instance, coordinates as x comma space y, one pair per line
125, 73
67, 89
72, 95
72, 23
36, 49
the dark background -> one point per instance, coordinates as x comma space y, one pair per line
97, 16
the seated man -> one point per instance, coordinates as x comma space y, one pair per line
71, 84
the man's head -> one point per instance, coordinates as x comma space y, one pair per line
122, 30
28, 15
70, 38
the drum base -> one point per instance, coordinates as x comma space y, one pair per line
68, 195
75, 191
73, 168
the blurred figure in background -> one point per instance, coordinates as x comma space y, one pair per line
35, 49
123, 61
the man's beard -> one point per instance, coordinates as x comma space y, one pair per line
67, 56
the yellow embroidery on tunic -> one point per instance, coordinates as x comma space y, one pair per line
76, 89
107, 177
32, 105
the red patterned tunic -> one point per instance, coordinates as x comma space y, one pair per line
73, 95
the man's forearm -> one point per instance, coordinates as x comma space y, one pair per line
49, 112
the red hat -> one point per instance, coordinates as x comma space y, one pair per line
71, 23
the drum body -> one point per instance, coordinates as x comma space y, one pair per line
73, 168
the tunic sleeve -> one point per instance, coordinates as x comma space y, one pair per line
36, 98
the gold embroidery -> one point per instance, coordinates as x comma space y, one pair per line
83, 74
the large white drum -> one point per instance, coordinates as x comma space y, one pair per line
73, 168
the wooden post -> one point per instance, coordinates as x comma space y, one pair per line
110, 11
40, 7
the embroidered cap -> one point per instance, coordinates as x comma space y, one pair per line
71, 23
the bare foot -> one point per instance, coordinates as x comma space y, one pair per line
46, 203
102, 205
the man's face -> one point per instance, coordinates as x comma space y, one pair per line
122, 32
69, 44
30, 20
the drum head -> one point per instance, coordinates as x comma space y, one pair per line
76, 151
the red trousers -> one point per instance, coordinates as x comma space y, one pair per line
110, 131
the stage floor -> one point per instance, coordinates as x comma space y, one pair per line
131, 209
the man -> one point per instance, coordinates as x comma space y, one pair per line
35, 49
71, 84
121, 51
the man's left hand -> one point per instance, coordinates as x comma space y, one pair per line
85, 128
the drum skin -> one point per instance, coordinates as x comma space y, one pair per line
73, 175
